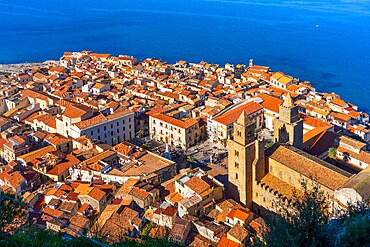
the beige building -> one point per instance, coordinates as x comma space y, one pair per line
261, 179
280, 80
198, 191
80, 120
94, 196
14, 147
353, 153
221, 126
184, 133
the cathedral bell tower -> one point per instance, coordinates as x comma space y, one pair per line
288, 128
245, 160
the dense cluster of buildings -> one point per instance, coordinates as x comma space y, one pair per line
71, 129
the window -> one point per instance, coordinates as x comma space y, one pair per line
98, 130
123, 121
105, 128
124, 128
281, 174
99, 138
236, 164
256, 194
117, 124
129, 120
117, 130
290, 179
129, 126
236, 175
239, 133
111, 126
105, 135
236, 153
91, 132
111, 133
271, 169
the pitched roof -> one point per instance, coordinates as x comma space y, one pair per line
36, 154
173, 121
96, 193
197, 184
238, 232
231, 116
98, 118
225, 242
352, 142
309, 166
270, 102
76, 111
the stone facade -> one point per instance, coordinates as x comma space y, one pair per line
245, 160
288, 126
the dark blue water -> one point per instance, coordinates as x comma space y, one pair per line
326, 42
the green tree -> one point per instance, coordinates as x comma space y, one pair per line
146, 145
140, 133
190, 159
301, 222
352, 228
332, 153
146, 229
9, 210
224, 142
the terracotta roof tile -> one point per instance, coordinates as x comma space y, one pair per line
232, 115
309, 166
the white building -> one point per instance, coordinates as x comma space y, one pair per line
80, 120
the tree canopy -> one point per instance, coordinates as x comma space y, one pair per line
307, 221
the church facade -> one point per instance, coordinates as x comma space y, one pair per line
259, 178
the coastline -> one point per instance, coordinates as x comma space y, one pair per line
18, 67
9, 68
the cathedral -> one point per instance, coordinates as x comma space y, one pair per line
260, 177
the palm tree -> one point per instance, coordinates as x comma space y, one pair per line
146, 145
191, 160
224, 142
140, 133
332, 153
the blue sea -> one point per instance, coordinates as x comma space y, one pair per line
326, 42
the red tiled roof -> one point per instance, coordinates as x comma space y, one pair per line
173, 121
231, 116
76, 111
270, 102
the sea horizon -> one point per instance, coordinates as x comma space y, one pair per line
326, 43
